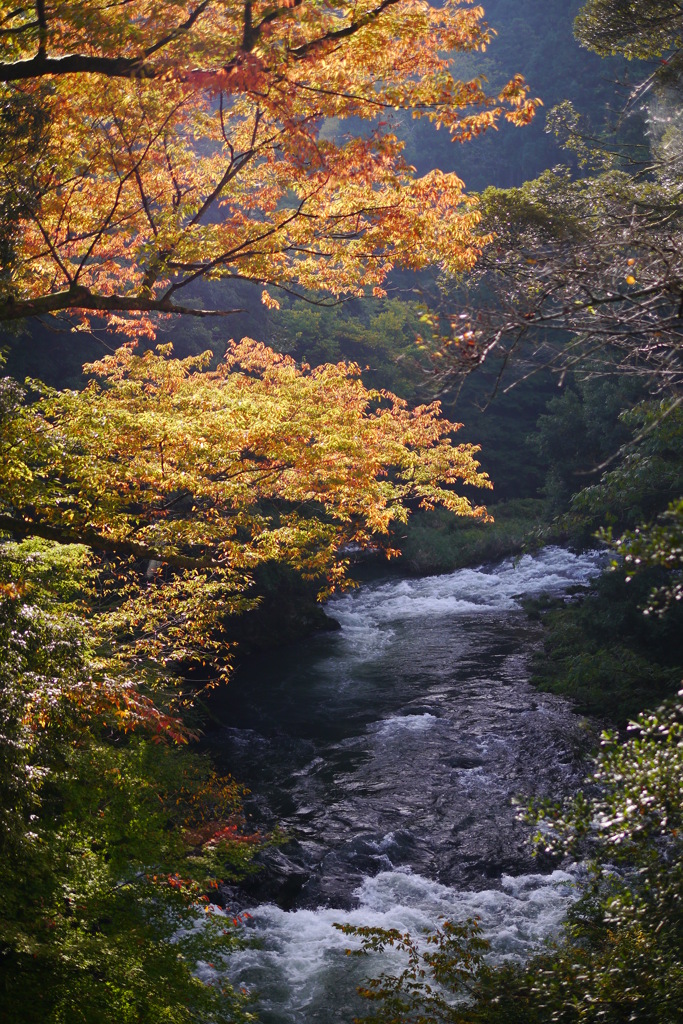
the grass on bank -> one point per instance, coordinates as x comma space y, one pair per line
612, 660
437, 542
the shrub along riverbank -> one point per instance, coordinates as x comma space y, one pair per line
433, 543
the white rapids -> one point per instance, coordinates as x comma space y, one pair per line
368, 615
302, 956
395, 753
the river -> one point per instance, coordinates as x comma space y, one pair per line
395, 754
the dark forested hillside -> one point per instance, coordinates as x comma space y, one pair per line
534, 38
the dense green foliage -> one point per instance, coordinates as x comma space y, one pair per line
606, 655
622, 957
645, 476
578, 431
649, 28
110, 841
606, 652
658, 544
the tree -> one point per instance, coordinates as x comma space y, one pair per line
439, 970
150, 145
622, 958
658, 544
147, 146
581, 273
110, 840
591, 268
647, 29
211, 472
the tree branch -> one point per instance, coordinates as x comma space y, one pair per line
76, 63
142, 67
181, 30
343, 33
83, 298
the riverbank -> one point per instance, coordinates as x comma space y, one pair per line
437, 542
598, 647
602, 652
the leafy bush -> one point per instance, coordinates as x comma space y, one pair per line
110, 841
433, 542
606, 655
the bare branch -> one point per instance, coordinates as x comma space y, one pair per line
82, 298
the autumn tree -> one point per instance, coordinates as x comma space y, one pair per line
212, 472
590, 268
149, 145
144, 147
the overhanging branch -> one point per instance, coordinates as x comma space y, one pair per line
143, 67
75, 64
83, 298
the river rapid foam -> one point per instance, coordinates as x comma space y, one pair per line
395, 754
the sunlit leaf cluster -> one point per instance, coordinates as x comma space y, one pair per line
438, 971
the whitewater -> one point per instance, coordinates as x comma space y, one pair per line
396, 755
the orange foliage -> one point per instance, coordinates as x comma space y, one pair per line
158, 142
210, 473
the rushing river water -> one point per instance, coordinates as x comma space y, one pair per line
394, 753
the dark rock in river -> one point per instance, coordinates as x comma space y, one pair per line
280, 880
